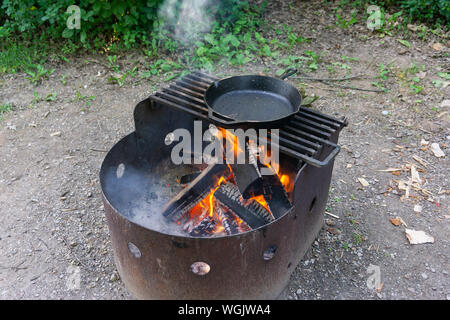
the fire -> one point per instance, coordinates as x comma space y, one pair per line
211, 198
260, 199
231, 140
217, 216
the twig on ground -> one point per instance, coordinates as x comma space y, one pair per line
353, 88
329, 79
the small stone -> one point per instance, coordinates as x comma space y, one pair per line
417, 208
424, 275
299, 291
384, 112
445, 103
114, 277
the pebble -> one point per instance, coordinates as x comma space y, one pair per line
384, 112
424, 275
299, 291
114, 277
445, 103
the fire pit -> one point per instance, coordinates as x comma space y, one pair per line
216, 230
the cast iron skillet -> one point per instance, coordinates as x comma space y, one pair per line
253, 101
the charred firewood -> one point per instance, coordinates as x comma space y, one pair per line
228, 195
204, 228
275, 195
195, 191
226, 220
247, 176
259, 210
187, 178
247, 179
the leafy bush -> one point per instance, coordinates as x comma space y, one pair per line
47, 19
102, 21
433, 11
429, 11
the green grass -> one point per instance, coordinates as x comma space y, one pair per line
16, 56
4, 108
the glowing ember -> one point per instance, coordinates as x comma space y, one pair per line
212, 213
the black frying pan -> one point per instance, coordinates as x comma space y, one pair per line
253, 101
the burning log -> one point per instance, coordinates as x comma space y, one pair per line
228, 195
195, 191
187, 178
275, 195
248, 176
248, 180
204, 228
255, 207
227, 220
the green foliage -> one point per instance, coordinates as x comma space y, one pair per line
37, 72
4, 108
127, 20
434, 12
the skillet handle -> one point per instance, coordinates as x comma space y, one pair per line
289, 72
223, 120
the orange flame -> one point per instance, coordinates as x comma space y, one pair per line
260, 199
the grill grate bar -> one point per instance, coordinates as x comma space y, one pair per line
301, 115
303, 137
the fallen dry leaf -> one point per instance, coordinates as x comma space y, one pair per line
334, 231
397, 221
363, 182
437, 150
418, 237
438, 46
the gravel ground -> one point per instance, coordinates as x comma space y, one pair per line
52, 222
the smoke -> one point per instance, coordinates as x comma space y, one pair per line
189, 19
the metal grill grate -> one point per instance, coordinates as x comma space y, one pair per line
302, 138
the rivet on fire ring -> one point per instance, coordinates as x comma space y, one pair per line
270, 252
200, 268
134, 250
169, 138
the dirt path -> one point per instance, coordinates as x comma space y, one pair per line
51, 212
